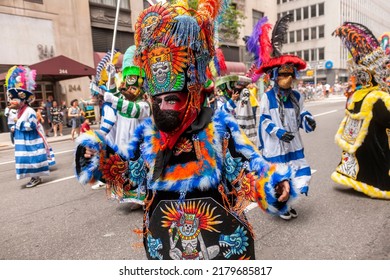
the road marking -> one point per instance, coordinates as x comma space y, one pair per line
56, 153
58, 180
250, 207
325, 113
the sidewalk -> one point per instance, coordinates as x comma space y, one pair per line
5, 141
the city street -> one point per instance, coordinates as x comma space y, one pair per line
61, 219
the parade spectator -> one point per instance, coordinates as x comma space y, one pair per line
327, 90
48, 105
11, 115
57, 115
85, 126
43, 118
253, 99
75, 113
200, 170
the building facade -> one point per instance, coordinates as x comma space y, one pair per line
310, 33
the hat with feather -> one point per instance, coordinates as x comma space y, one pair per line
368, 64
132, 74
268, 51
97, 85
20, 82
174, 46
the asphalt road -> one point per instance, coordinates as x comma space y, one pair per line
61, 220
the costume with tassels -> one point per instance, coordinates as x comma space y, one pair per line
364, 133
200, 170
33, 155
120, 120
282, 111
241, 108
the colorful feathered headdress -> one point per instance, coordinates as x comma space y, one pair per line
370, 64
98, 83
131, 74
20, 82
269, 50
174, 46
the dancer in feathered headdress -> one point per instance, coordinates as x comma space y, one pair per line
131, 109
200, 170
282, 112
364, 134
32, 153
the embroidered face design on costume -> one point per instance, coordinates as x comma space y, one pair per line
149, 24
189, 224
161, 66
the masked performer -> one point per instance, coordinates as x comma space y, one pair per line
32, 153
282, 111
364, 132
237, 103
200, 170
129, 115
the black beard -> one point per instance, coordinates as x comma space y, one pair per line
165, 120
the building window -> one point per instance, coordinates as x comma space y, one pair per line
284, 1
299, 53
299, 35
292, 36
321, 9
284, 13
305, 12
305, 34
102, 40
298, 14
146, 4
278, 2
321, 53
124, 4
306, 55
313, 33
313, 56
256, 16
321, 31
34, 1
313, 10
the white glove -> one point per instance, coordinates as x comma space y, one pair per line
108, 97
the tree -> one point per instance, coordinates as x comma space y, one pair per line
230, 24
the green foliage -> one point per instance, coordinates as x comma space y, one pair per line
231, 23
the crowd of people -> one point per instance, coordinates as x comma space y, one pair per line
195, 150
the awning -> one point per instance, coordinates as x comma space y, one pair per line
233, 67
59, 68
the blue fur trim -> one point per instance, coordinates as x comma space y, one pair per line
90, 171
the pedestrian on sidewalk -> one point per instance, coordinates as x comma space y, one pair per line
75, 113
31, 155
57, 118
43, 118
11, 115
85, 126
